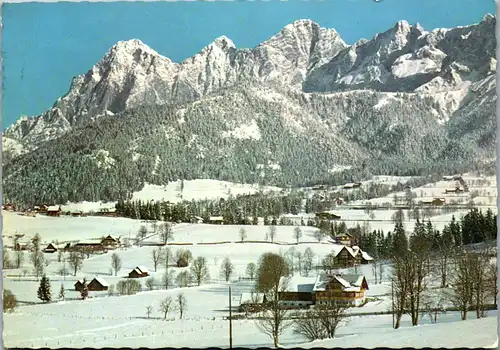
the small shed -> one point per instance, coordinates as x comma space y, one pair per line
79, 285
216, 220
196, 220
139, 272
98, 285
54, 210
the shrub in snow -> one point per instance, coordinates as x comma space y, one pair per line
9, 301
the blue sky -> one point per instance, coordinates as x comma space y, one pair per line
44, 45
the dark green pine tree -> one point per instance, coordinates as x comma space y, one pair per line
400, 241
455, 231
44, 292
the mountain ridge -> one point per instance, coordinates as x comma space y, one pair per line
284, 113
118, 80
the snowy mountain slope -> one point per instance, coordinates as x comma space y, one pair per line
303, 56
132, 74
283, 113
243, 134
406, 58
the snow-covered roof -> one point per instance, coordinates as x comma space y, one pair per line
216, 218
198, 218
366, 256
349, 282
142, 269
79, 281
101, 281
251, 298
89, 241
299, 284
53, 208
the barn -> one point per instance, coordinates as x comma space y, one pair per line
139, 272
98, 285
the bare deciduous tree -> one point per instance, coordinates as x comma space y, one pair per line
142, 233
183, 279
149, 310
199, 270
226, 269
150, 283
38, 261
297, 234
272, 233
168, 278
155, 257
319, 235
166, 306
166, 232
462, 281
243, 234
274, 319
19, 258
251, 270
116, 262
308, 259
181, 304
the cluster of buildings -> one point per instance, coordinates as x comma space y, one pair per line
304, 292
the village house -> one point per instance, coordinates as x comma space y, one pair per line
139, 272
339, 201
344, 239
54, 210
91, 246
434, 201
351, 256
299, 292
352, 185
216, 220
455, 190
107, 212
196, 220
110, 242
77, 213
79, 285
51, 248
98, 285
324, 289
327, 216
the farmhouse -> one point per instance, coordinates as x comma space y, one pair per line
351, 185
350, 256
327, 216
54, 210
107, 212
325, 289
139, 272
79, 285
196, 220
455, 190
216, 220
98, 285
434, 201
110, 242
344, 239
251, 302
51, 248
88, 246
349, 289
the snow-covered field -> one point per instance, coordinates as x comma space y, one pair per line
112, 321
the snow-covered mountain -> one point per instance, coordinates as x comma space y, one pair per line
286, 112
303, 56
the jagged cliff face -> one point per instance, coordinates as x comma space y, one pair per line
286, 112
132, 73
302, 57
